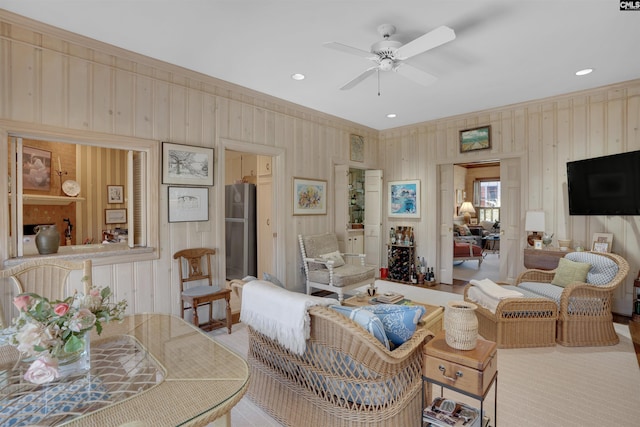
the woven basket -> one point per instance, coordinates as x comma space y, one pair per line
461, 325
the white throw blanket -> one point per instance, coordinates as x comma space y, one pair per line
488, 293
279, 314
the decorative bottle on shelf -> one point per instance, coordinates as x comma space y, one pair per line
392, 235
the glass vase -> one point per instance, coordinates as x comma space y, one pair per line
77, 363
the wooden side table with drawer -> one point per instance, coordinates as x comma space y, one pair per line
469, 372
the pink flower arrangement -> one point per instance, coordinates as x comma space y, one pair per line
48, 330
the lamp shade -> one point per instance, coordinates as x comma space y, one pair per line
534, 221
467, 207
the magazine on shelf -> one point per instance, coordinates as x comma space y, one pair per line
449, 413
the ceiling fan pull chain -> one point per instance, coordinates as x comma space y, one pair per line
378, 73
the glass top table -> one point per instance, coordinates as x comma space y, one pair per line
153, 368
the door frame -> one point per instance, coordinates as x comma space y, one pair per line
277, 198
447, 244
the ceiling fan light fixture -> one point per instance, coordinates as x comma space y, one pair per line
584, 72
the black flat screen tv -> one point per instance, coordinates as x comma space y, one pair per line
608, 185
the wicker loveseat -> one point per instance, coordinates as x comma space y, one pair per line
344, 377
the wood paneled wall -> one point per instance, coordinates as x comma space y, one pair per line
51, 79
545, 134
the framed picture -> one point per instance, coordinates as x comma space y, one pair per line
475, 139
404, 199
602, 238
356, 148
309, 196
188, 204
186, 164
115, 216
459, 197
473, 221
537, 244
600, 247
115, 193
36, 169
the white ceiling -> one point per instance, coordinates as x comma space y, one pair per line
505, 51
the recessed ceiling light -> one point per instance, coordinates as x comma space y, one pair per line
391, 115
584, 72
297, 76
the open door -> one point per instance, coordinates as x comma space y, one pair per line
373, 217
341, 204
510, 250
446, 199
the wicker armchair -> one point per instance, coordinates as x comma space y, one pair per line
584, 309
346, 377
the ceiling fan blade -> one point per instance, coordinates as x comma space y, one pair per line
348, 49
360, 78
435, 38
421, 77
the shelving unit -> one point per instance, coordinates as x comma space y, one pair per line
400, 259
40, 199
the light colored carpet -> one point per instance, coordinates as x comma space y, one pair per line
490, 269
550, 386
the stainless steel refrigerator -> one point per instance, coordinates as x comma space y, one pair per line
240, 230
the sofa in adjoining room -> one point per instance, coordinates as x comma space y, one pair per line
342, 375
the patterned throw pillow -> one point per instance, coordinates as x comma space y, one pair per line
570, 271
367, 320
399, 321
335, 256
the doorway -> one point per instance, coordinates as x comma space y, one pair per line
510, 259
478, 183
259, 167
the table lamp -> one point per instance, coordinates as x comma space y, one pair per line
534, 222
467, 209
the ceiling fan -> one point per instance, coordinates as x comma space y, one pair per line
388, 55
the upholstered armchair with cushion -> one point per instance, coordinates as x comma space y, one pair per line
462, 233
582, 286
326, 269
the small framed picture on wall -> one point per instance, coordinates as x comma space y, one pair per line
115, 193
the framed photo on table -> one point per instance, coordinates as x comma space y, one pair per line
309, 196
186, 164
600, 247
598, 240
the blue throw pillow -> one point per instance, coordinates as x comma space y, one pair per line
399, 321
269, 278
367, 320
